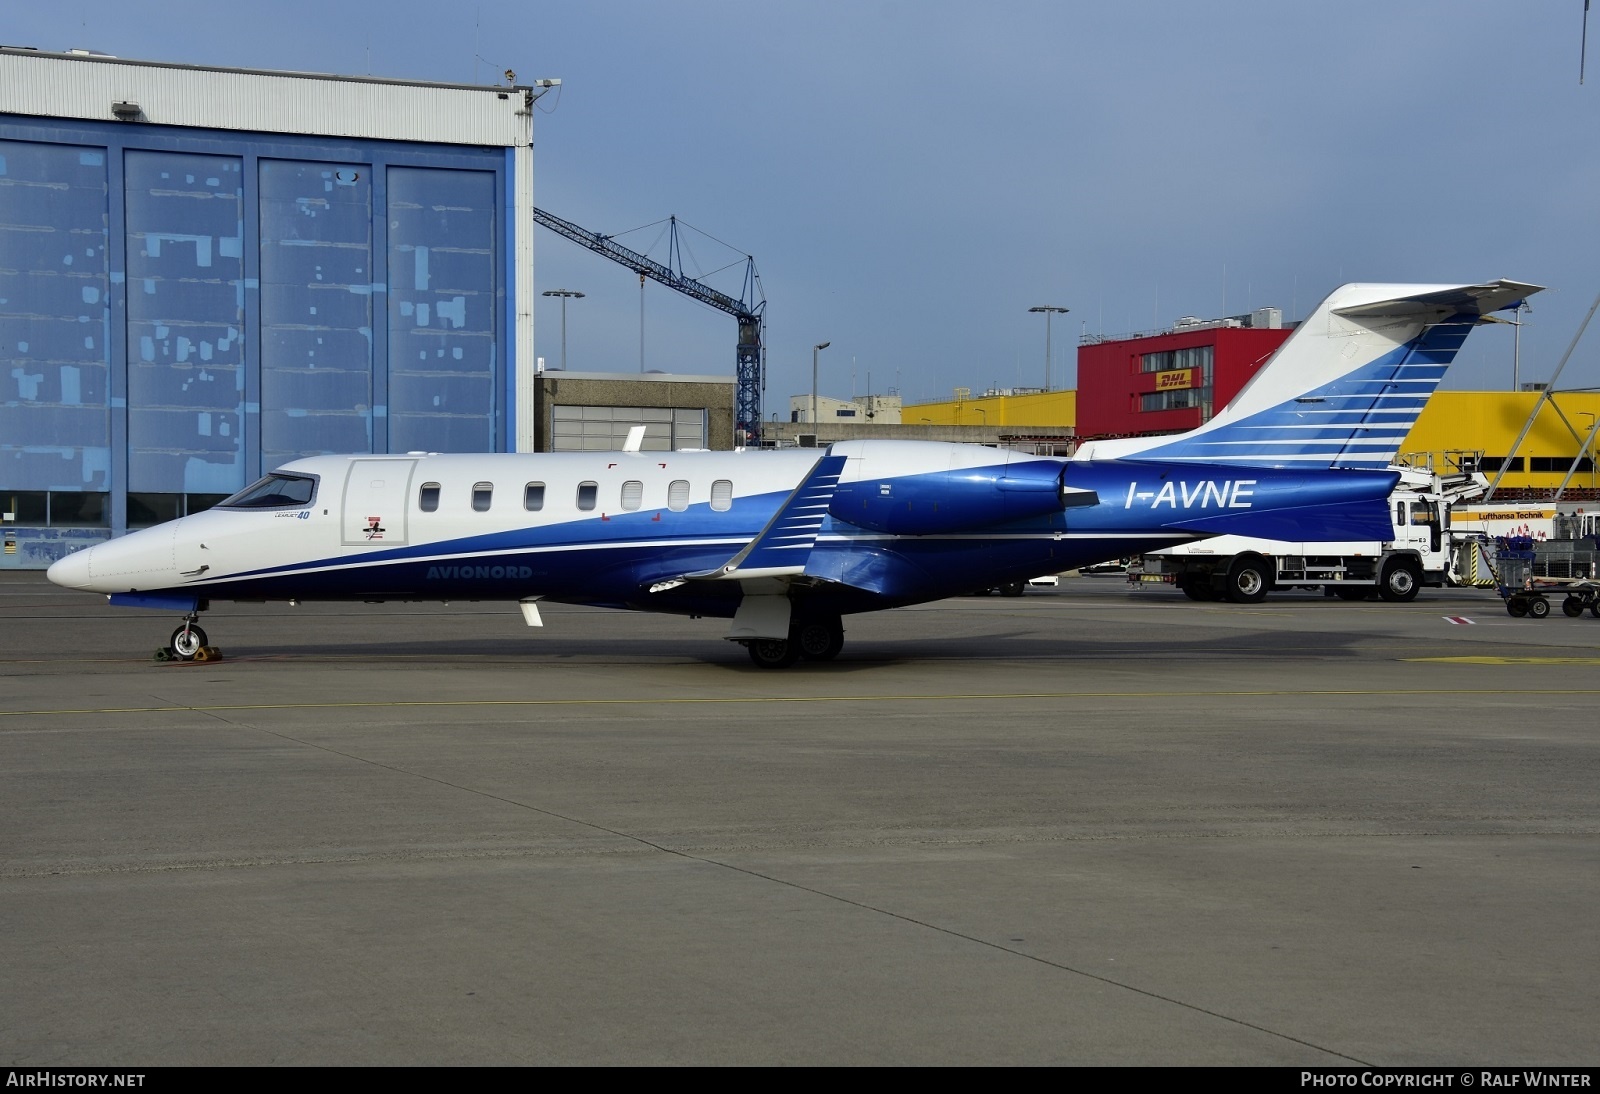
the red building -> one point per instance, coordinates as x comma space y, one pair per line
1171, 381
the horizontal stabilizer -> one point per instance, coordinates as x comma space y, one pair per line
1363, 520
1458, 299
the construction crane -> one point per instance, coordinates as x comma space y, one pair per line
748, 309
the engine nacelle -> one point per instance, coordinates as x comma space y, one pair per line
951, 501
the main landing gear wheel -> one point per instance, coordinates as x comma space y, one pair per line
1013, 589
773, 653
187, 641
818, 639
1400, 582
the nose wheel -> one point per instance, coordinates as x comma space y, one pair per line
188, 643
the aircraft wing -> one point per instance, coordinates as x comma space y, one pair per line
780, 551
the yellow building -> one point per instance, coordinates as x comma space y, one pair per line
1046, 409
1476, 429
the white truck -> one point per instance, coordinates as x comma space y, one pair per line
1421, 552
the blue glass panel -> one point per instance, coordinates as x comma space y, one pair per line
316, 309
443, 254
55, 421
185, 291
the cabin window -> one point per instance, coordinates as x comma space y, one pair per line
678, 495
722, 495
482, 495
587, 493
533, 497
632, 494
428, 497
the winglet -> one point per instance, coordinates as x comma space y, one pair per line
781, 548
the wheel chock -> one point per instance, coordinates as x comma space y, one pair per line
164, 654
208, 653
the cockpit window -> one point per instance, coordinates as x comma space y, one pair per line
276, 491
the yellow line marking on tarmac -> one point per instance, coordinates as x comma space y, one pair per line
201, 708
1487, 660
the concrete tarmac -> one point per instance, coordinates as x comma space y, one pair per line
1091, 825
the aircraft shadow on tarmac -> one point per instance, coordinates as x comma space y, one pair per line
860, 654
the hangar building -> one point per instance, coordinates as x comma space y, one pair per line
206, 272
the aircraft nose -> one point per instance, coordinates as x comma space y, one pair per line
71, 571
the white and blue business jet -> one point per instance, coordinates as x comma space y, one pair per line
786, 543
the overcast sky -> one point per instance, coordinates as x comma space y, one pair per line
911, 177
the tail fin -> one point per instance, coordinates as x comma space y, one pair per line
1345, 388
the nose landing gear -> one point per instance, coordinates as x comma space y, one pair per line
188, 643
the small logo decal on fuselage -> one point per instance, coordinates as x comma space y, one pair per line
1205, 494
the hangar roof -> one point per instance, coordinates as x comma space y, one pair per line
84, 85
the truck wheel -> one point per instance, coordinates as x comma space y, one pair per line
1538, 607
1572, 607
1400, 582
1516, 606
1247, 581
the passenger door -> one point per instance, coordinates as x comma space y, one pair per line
377, 495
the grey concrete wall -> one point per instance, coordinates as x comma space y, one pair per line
715, 397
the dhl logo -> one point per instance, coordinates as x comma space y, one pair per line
1175, 380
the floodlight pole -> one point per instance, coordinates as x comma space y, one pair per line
815, 350
1049, 311
565, 295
